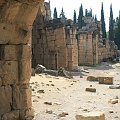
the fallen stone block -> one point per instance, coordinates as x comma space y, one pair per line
92, 78
39, 69
90, 89
50, 72
114, 87
113, 101
91, 116
62, 72
105, 80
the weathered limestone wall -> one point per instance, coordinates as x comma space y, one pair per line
57, 50
106, 51
87, 49
55, 47
16, 18
91, 51
72, 48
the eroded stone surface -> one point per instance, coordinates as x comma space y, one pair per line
14, 115
5, 99
9, 72
16, 19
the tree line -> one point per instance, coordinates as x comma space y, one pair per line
114, 24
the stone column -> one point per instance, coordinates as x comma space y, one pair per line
16, 18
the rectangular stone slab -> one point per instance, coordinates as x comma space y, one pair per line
91, 116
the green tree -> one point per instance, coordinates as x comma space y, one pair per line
86, 12
90, 13
55, 13
103, 23
111, 24
62, 14
117, 33
80, 16
95, 18
74, 17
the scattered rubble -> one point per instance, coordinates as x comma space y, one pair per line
48, 103
111, 111
49, 111
57, 103
63, 114
52, 85
114, 87
40, 91
35, 101
71, 87
85, 70
116, 97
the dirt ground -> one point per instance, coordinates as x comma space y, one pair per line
69, 95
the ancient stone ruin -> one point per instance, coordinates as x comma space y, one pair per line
54, 43
54, 46
60, 43
16, 19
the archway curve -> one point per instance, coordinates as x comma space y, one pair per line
16, 19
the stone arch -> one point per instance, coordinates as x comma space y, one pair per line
16, 18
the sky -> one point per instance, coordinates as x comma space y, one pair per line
70, 5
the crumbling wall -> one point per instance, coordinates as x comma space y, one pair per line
16, 18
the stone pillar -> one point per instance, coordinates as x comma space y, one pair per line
16, 18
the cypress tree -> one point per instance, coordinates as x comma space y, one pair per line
86, 12
95, 18
90, 12
80, 16
74, 18
111, 24
55, 13
117, 33
62, 14
103, 22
